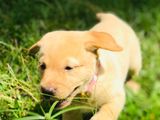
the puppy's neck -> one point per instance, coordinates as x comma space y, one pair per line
99, 70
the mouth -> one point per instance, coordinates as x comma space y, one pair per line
65, 102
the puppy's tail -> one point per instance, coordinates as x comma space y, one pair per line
104, 16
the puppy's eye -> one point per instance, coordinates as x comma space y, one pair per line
67, 68
43, 66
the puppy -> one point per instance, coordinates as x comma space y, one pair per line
95, 61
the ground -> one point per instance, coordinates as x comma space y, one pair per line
23, 22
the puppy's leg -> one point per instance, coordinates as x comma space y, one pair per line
135, 64
135, 56
111, 110
72, 115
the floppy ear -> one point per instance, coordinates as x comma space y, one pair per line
102, 40
34, 48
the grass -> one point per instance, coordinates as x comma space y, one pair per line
50, 116
23, 22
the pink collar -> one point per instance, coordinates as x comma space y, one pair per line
93, 81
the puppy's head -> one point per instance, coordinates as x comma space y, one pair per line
68, 60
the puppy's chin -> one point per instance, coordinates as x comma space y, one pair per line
67, 101
63, 104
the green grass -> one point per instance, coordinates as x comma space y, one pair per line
23, 22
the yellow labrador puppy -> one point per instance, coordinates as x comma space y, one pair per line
95, 61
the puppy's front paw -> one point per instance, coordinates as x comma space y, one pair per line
97, 117
94, 118
100, 116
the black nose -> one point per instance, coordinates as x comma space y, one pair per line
47, 92
48, 96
